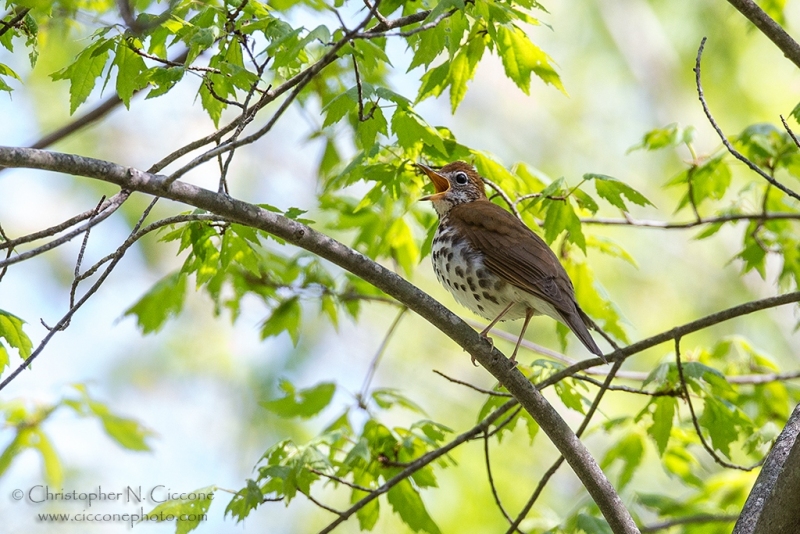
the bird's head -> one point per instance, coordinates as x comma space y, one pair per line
455, 183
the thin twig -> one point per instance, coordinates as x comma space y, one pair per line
476, 388
79, 261
13, 22
662, 225
103, 215
373, 366
135, 234
722, 136
360, 90
790, 132
491, 482
679, 331
695, 422
321, 505
53, 230
342, 481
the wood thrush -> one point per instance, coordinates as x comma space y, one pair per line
492, 263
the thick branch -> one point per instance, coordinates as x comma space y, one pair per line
677, 332
304, 237
770, 28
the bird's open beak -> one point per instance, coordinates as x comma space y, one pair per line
439, 182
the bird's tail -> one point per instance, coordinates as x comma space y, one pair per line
577, 322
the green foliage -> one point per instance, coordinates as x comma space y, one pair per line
28, 425
671, 135
12, 336
340, 453
187, 512
164, 300
305, 403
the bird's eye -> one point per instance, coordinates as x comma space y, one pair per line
461, 178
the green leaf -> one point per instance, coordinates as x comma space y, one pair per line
213, 106
429, 45
521, 58
722, 421
561, 216
129, 67
337, 108
406, 502
386, 398
245, 501
53, 470
286, 317
630, 452
663, 416
593, 525
304, 403
368, 514
5, 70
11, 331
796, 112
187, 512
163, 79
128, 433
412, 132
613, 190
83, 73
668, 136
462, 69
164, 300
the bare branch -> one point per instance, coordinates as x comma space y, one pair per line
491, 483
770, 28
790, 132
373, 366
476, 388
678, 331
662, 225
709, 449
14, 21
113, 258
115, 202
53, 230
735, 153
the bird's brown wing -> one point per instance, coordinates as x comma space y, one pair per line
520, 257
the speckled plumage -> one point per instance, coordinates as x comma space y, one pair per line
492, 263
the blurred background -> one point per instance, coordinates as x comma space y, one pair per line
627, 68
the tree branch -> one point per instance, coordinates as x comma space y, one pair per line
678, 331
584, 465
735, 153
770, 28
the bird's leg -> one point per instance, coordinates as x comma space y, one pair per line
485, 332
528, 315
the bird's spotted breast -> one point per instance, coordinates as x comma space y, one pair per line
460, 268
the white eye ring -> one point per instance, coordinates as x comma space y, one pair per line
461, 178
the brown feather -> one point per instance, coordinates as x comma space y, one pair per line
520, 257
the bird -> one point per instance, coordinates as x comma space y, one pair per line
492, 263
